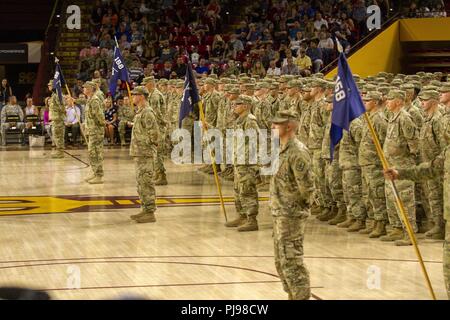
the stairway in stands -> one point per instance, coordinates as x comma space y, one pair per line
70, 42
428, 56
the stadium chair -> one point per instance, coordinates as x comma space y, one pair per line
13, 131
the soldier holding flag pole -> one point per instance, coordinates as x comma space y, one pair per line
57, 111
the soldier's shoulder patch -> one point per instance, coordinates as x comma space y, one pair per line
407, 125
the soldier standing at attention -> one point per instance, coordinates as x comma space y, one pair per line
157, 103
95, 131
400, 148
245, 174
126, 115
291, 188
57, 115
143, 149
431, 143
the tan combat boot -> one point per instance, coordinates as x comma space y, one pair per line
161, 179
136, 216
315, 209
395, 234
96, 180
356, 226
90, 177
406, 241
379, 230
250, 225
146, 218
236, 222
438, 231
327, 214
122, 140
347, 223
340, 217
370, 225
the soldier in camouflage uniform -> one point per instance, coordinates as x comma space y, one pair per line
211, 102
57, 115
143, 149
322, 196
157, 103
445, 106
333, 174
305, 115
400, 148
125, 117
431, 143
290, 193
245, 174
371, 168
95, 132
13, 109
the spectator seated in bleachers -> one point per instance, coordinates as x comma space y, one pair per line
72, 121
110, 121
12, 118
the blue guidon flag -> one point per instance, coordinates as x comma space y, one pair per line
119, 71
58, 81
190, 94
347, 103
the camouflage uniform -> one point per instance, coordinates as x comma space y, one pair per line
316, 133
371, 168
125, 114
401, 148
245, 191
58, 114
290, 191
304, 123
143, 149
351, 172
95, 132
440, 166
431, 143
157, 103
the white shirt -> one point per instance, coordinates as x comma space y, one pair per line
319, 23
72, 114
273, 72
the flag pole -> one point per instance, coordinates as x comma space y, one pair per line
76, 114
213, 161
128, 86
400, 205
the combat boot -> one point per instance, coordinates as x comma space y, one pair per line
356, 226
379, 230
96, 180
90, 177
205, 168
393, 235
57, 155
236, 222
370, 225
135, 216
437, 232
250, 225
315, 209
122, 141
325, 215
347, 223
340, 217
405, 241
146, 218
161, 180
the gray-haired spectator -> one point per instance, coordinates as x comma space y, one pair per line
290, 68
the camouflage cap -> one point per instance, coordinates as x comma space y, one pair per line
373, 95
234, 90
407, 87
397, 82
90, 84
140, 90
400, 76
147, 80
163, 81
244, 79
445, 88
293, 84
435, 83
370, 78
227, 87
396, 94
412, 77
179, 84
213, 76
232, 76
370, 87
384, 90
319, 83
420, 73
318, 75
438, 74
172, 82
416, 84
242, 75
243, 99
285, 115
234, 81
382, 74
429, 95
249, 86
306, 88
427, 88
330, 85
224, 80
50, 83
356, 77
262, 85
274, 86
210, 81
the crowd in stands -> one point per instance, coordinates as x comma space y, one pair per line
273, 36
